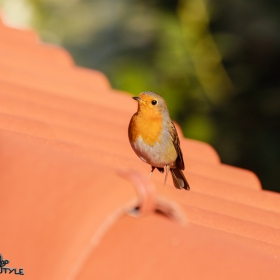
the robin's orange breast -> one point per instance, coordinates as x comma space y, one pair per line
149, 129
151, 141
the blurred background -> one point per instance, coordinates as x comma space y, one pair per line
215, 62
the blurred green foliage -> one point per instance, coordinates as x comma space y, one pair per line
215, 62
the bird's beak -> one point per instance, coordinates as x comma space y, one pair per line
136, 98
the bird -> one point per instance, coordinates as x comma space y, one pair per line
154, 139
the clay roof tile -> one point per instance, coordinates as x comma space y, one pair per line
76, 202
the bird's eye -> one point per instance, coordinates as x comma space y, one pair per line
154, 102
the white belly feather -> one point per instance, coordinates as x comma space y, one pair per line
158, 155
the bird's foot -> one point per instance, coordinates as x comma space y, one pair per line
153, 168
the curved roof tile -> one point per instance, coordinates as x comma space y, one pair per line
75, 200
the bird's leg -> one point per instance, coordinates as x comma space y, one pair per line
153, 168
166, 174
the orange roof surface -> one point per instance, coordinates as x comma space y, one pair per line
70, 181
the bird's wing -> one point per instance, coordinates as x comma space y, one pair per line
176, 142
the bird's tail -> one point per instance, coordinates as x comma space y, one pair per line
179, 180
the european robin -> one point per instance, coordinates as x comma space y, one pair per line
154, 138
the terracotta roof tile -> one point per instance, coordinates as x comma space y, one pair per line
194, 253
70, 181
17, 35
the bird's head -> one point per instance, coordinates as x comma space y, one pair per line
151, 104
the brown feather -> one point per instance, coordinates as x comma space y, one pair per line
179, 180
176, 142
